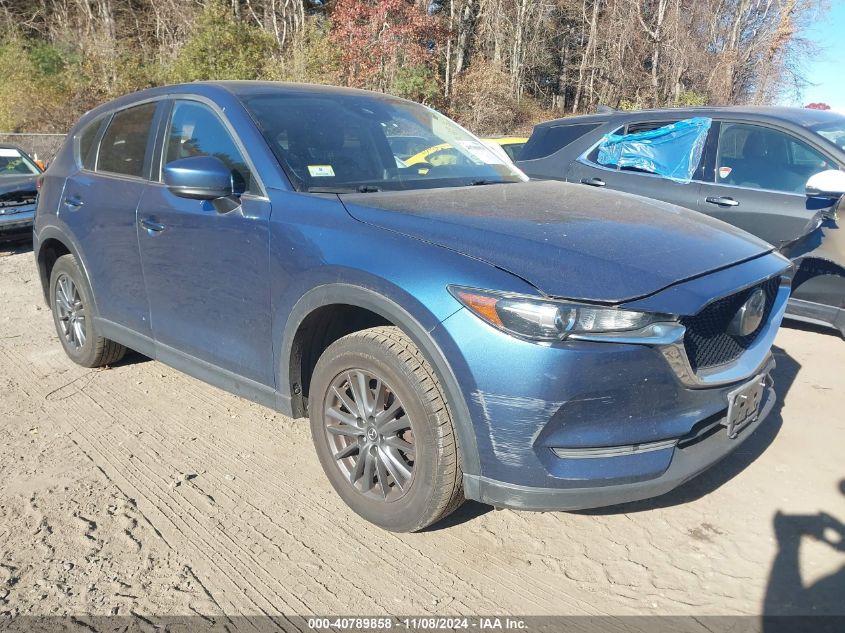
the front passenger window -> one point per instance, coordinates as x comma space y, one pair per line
762, 158
195, 130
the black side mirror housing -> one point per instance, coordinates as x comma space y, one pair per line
199, 178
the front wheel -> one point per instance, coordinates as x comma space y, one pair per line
383, 431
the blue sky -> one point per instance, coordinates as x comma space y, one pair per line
826, 70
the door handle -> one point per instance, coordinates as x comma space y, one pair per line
722, 201
593, 182
73, 202
152, 226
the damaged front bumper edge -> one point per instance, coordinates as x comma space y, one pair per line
818, 289
690, 457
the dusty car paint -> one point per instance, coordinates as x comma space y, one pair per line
567, 241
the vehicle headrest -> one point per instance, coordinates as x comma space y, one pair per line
755, 145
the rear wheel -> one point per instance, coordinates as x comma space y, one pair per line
383, 431
71, 304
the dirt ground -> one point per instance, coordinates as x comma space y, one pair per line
139, 490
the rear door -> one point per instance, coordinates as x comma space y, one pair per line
758, 179
207, 272
588, 171
99, 204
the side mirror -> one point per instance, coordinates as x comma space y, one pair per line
198, 177
826, 184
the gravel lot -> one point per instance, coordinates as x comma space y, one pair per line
139, 490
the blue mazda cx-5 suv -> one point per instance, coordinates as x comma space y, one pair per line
452, 331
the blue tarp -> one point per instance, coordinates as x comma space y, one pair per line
672, 151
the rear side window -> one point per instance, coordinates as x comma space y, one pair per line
671, 149
124, 144
593, 156
555, 139
647, 126
87, 138
195, 130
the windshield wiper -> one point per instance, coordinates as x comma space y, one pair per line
359, 189
476, 183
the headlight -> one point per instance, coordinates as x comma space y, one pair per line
547, 320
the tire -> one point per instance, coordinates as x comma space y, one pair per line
72, 307
406, 409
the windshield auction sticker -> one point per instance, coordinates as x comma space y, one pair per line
321, 171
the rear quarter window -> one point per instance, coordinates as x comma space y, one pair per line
87, 151
554, 139
124, 144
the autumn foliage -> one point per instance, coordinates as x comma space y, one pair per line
496, 66
380, 41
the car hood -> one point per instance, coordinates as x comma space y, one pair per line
11, 184
568, 241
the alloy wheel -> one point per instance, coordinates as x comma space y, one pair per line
369, 435
71, 312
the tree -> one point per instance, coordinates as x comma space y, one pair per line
221, 47
492, 64
378, 38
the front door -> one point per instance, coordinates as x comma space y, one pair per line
759, 181
206, 272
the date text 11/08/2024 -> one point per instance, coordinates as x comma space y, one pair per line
424, 623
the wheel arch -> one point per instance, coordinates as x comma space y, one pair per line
383, 311
52, 244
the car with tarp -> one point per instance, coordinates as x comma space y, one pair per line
775, 172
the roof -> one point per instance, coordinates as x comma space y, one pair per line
805, 117
246, 88
232, 87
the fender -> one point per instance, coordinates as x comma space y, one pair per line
364, 298
51, 231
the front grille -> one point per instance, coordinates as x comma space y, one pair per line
17, 198
707, 341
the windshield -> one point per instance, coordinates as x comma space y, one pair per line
14, 163
833, 131
358, 142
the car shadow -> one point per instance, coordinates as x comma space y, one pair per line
786, 593
802, 326
131, 358
784, 375
467, 512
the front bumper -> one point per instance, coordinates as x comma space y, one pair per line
16, 220
588, 423
686, 460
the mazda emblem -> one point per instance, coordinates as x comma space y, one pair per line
749, 316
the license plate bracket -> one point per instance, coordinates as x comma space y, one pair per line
744, 404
